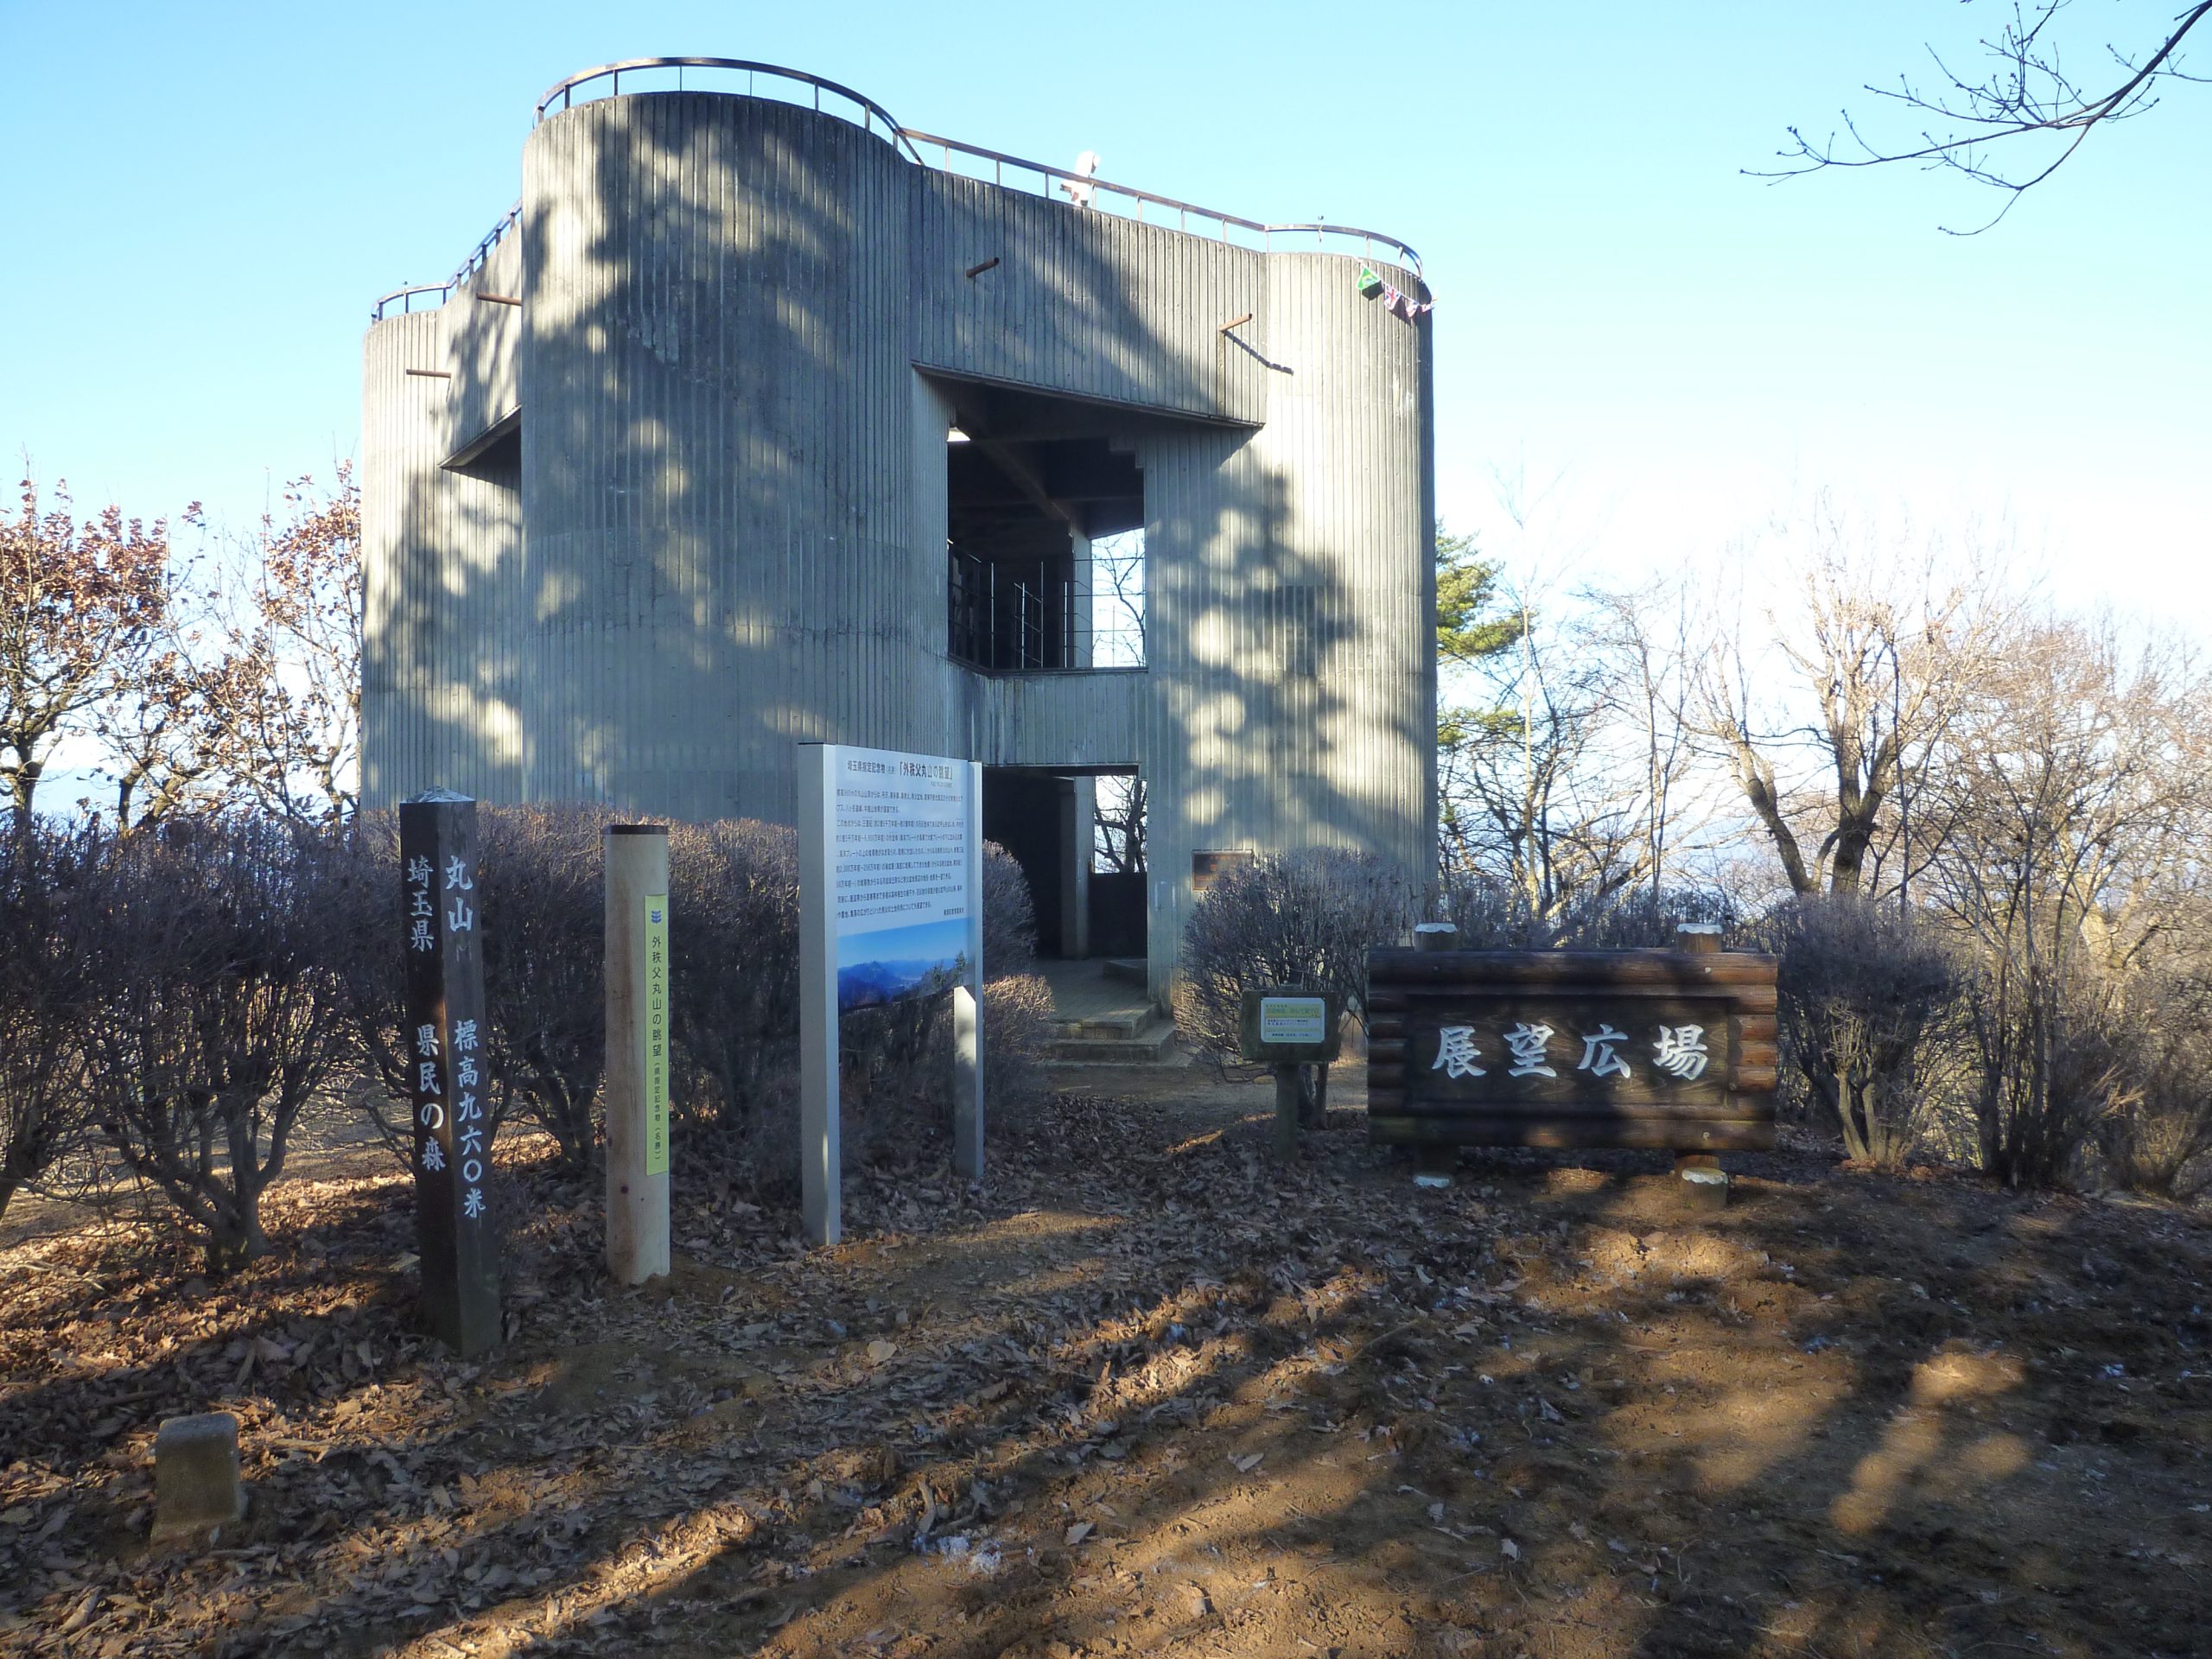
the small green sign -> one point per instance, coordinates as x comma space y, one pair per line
656, 1033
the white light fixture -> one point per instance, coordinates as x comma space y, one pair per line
954, 434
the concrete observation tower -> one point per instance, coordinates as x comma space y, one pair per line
762, 419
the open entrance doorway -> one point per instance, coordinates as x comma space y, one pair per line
1079, 837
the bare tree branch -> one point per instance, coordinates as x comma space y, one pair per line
2028, 92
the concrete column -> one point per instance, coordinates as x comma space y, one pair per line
636, 1052
1076, 810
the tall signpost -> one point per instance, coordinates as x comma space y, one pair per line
890, 891
457, 1239
636, 1052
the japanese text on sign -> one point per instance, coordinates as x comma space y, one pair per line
898, 841
656, 1034
1527, 1049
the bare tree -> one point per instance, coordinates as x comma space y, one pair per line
2029, 93
1877, 656
2078, 781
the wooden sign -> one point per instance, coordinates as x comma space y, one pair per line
456, 1235
1572, 1048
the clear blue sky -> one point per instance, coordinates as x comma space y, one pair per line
202, 201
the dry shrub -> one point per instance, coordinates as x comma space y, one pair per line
734, 1014
542, 909
2052, 1051
544, 914
2159, 1140
1009, 914
1017, 1026
51, 891
1867, 998
1305, 919
218, 1019
363, 910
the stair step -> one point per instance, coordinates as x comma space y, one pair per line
1148, 1047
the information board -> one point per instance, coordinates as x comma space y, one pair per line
900, 848
890, 850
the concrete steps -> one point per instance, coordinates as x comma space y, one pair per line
1141, 1038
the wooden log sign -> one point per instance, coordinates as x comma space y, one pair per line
1662, 1049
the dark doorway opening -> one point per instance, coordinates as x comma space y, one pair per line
1086, 906
1031, 482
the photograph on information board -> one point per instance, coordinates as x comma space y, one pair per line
899, 844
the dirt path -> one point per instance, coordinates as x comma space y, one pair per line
1150, 1395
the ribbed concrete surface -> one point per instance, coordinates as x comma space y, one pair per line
741, 325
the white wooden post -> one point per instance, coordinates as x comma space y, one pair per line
636, 1052
820, 1199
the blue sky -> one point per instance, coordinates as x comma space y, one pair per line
202, 201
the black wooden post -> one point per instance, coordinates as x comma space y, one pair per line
456, 1235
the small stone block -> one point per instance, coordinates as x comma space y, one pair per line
1705, 1189
196, 1474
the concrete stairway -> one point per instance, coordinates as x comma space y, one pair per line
1103, 1016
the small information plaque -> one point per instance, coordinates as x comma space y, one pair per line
1293, 1020
1290, 1026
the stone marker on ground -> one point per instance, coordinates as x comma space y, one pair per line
196, 1476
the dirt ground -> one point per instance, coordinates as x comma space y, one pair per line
1148, 1394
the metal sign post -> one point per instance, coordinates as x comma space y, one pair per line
456, 1237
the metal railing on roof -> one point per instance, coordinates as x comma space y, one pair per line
874, 118
403, 298
1082, 188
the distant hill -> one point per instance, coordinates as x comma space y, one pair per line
869, 984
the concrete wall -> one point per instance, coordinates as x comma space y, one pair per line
740, 322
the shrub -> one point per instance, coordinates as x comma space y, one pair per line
1305, 919
51, 889
218, 1019
1017, 1028
733, 1014
2158, 1139
2052, 1052
1864, 996
363, 911
540, 870
1009, 914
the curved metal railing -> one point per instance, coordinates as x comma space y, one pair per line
403, 298
873, 117
907, 141
1081, 185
